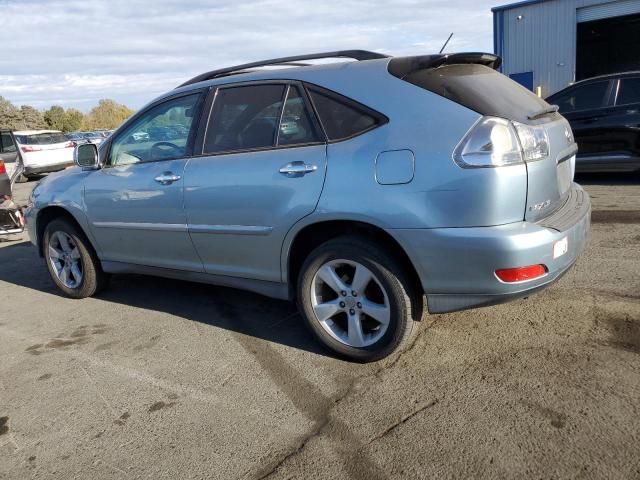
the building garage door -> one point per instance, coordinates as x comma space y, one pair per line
608, 10
608, 38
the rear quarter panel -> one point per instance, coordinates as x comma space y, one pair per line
442, 194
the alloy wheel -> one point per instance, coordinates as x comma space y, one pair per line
65, 259
350, 303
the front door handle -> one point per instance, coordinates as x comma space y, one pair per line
167, 178
294, 169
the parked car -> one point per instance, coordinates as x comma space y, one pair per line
402, 177
604, 113
5, 181
76, 137
93, 137
11, 219
44, 151
9, 153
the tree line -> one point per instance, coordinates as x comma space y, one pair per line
107, 115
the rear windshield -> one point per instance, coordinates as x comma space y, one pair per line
480, 89
41, 138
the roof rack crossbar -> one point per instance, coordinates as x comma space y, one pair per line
286, 61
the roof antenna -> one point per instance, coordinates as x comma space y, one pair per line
445, 43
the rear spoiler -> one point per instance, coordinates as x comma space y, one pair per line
402, 66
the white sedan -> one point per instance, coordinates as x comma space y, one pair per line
44, 151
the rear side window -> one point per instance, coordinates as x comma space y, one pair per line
342, 117
244, 118
583, 97
629, 91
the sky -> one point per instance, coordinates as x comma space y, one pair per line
75, 52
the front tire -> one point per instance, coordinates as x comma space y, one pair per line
71, 261
358, 300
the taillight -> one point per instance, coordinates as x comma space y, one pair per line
521, 274
3, 169
27, 149
70, 145
496, 142
492, 142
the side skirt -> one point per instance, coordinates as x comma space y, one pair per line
268, 289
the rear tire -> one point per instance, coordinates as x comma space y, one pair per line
72, 263
366, 325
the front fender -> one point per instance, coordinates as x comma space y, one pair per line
62, 191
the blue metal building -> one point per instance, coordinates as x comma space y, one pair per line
548, 44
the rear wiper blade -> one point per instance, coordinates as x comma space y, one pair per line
545, 111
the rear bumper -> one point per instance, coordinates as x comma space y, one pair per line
55, 167
456, 265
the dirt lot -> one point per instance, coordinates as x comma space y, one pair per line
164, 379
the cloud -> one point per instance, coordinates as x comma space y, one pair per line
74, 52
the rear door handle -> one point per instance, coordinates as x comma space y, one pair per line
167, 178
298, 168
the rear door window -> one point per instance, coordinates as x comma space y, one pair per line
583, 97
629, 91
342, 117
297, 125
244, 118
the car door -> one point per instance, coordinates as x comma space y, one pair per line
624, 138
586, 107
261, 170
135, 202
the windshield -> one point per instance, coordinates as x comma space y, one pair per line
41, 138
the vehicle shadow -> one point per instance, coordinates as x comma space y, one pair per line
235, 310
625, 178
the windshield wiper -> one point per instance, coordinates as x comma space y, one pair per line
545, 111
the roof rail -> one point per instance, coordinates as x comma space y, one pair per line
286, 61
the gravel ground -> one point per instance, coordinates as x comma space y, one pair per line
157, 378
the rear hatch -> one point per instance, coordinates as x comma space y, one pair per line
471, 80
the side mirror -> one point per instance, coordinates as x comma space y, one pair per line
86, 156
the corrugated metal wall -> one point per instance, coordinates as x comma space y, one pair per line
608, 10
541, 38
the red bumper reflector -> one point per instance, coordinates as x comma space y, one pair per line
520, 274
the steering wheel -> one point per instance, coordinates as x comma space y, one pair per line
161, 149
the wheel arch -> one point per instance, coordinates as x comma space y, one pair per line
314, 234
50, 213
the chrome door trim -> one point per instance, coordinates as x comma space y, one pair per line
162, 227
231, 229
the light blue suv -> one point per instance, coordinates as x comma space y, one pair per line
358, 188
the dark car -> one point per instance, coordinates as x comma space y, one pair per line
10, 168
604, 113
10, 157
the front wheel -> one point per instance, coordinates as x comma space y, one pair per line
357, 299
71, 261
